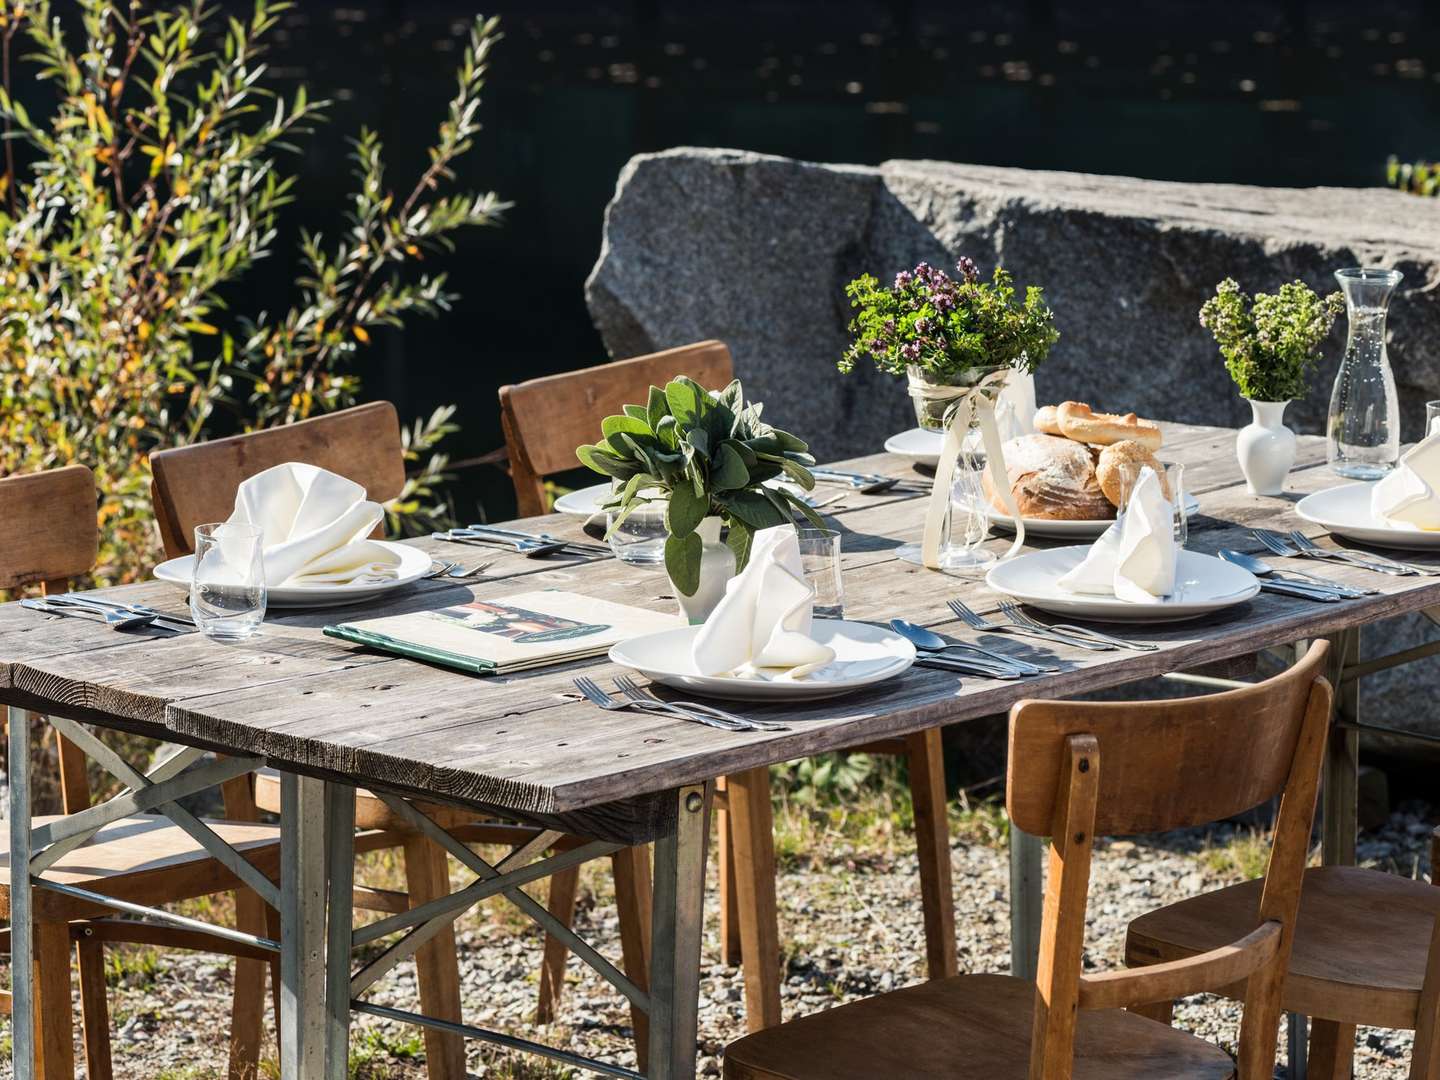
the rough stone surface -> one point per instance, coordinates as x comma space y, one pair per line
756, 251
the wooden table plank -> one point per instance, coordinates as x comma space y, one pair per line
524, 744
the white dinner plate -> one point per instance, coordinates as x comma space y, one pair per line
1073, 530
917, 444
864, 654
1345, 511
586, 501
414, 564
1202, 584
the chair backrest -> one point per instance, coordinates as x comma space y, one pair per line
192, 485
48, 535
545, 419
1078, 769
48, 531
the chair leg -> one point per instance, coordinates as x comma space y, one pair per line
731, 951
94, 1009
427, 877
932, 841
54, 1015
1332, 1050
631, 867
753, 838
564, 887
1161, 1011
247, 1002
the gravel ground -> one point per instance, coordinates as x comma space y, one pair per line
850, 920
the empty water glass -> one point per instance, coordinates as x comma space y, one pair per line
227, 585
1172, 483
820, 556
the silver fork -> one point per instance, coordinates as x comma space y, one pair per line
1304, 543
441, 569
1279, 545
117, 620
631, 689
1054, 636
1015, 612
1276, 546
457, 571
127, 609
596, 696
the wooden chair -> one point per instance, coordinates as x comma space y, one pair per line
544, 420
47, 536
195, 484
1366, 951
1078, 770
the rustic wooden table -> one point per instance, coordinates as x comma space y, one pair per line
332, 717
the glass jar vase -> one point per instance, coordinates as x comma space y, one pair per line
1363, 430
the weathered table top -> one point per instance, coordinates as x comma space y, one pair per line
523, 744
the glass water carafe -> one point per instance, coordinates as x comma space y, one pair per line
1364, 424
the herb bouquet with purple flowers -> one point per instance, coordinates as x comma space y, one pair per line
956, 340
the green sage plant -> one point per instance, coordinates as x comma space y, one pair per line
701, 453
954, 331
1270, 341
151, 186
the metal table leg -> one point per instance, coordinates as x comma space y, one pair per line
340, 827
22, 955
302, 928
679, 900
1026, 900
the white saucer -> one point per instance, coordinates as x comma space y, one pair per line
584, 502
1075, 530
414, 564
1202, 584
917, 444
864, 654
1345, 511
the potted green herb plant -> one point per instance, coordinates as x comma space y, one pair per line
707, 456
1270, 342
956, 340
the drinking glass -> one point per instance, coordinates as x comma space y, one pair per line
227, 585
1432, 418
640, 539
820, 556
1172, 481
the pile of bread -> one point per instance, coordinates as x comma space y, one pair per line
1070, 468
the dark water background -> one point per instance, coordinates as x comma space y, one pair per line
1283, 93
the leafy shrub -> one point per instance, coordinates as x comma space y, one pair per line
1270, 341
153, 185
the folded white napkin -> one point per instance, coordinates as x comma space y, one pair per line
763, 622
1134, 559
314, 527
1409, 498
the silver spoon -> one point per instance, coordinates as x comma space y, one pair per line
1263, 569
932, 642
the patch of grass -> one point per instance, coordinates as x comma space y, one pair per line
373, 1051
131, 965
1242, 855
187, 1072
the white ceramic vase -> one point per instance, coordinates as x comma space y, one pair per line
1266, 448
717, 567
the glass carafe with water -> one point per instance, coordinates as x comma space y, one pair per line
1364, 424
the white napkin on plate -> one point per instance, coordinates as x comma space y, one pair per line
1409, 498
1134, 559
762, 626
314, 526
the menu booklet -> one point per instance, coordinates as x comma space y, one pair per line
497, 637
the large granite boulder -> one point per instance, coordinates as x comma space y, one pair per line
756, 251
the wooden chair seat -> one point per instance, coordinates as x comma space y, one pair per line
140, 857
968, 1025
1361, 945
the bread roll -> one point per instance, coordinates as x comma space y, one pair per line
1046, 421
1083, 424
1113, 461
1051, 477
